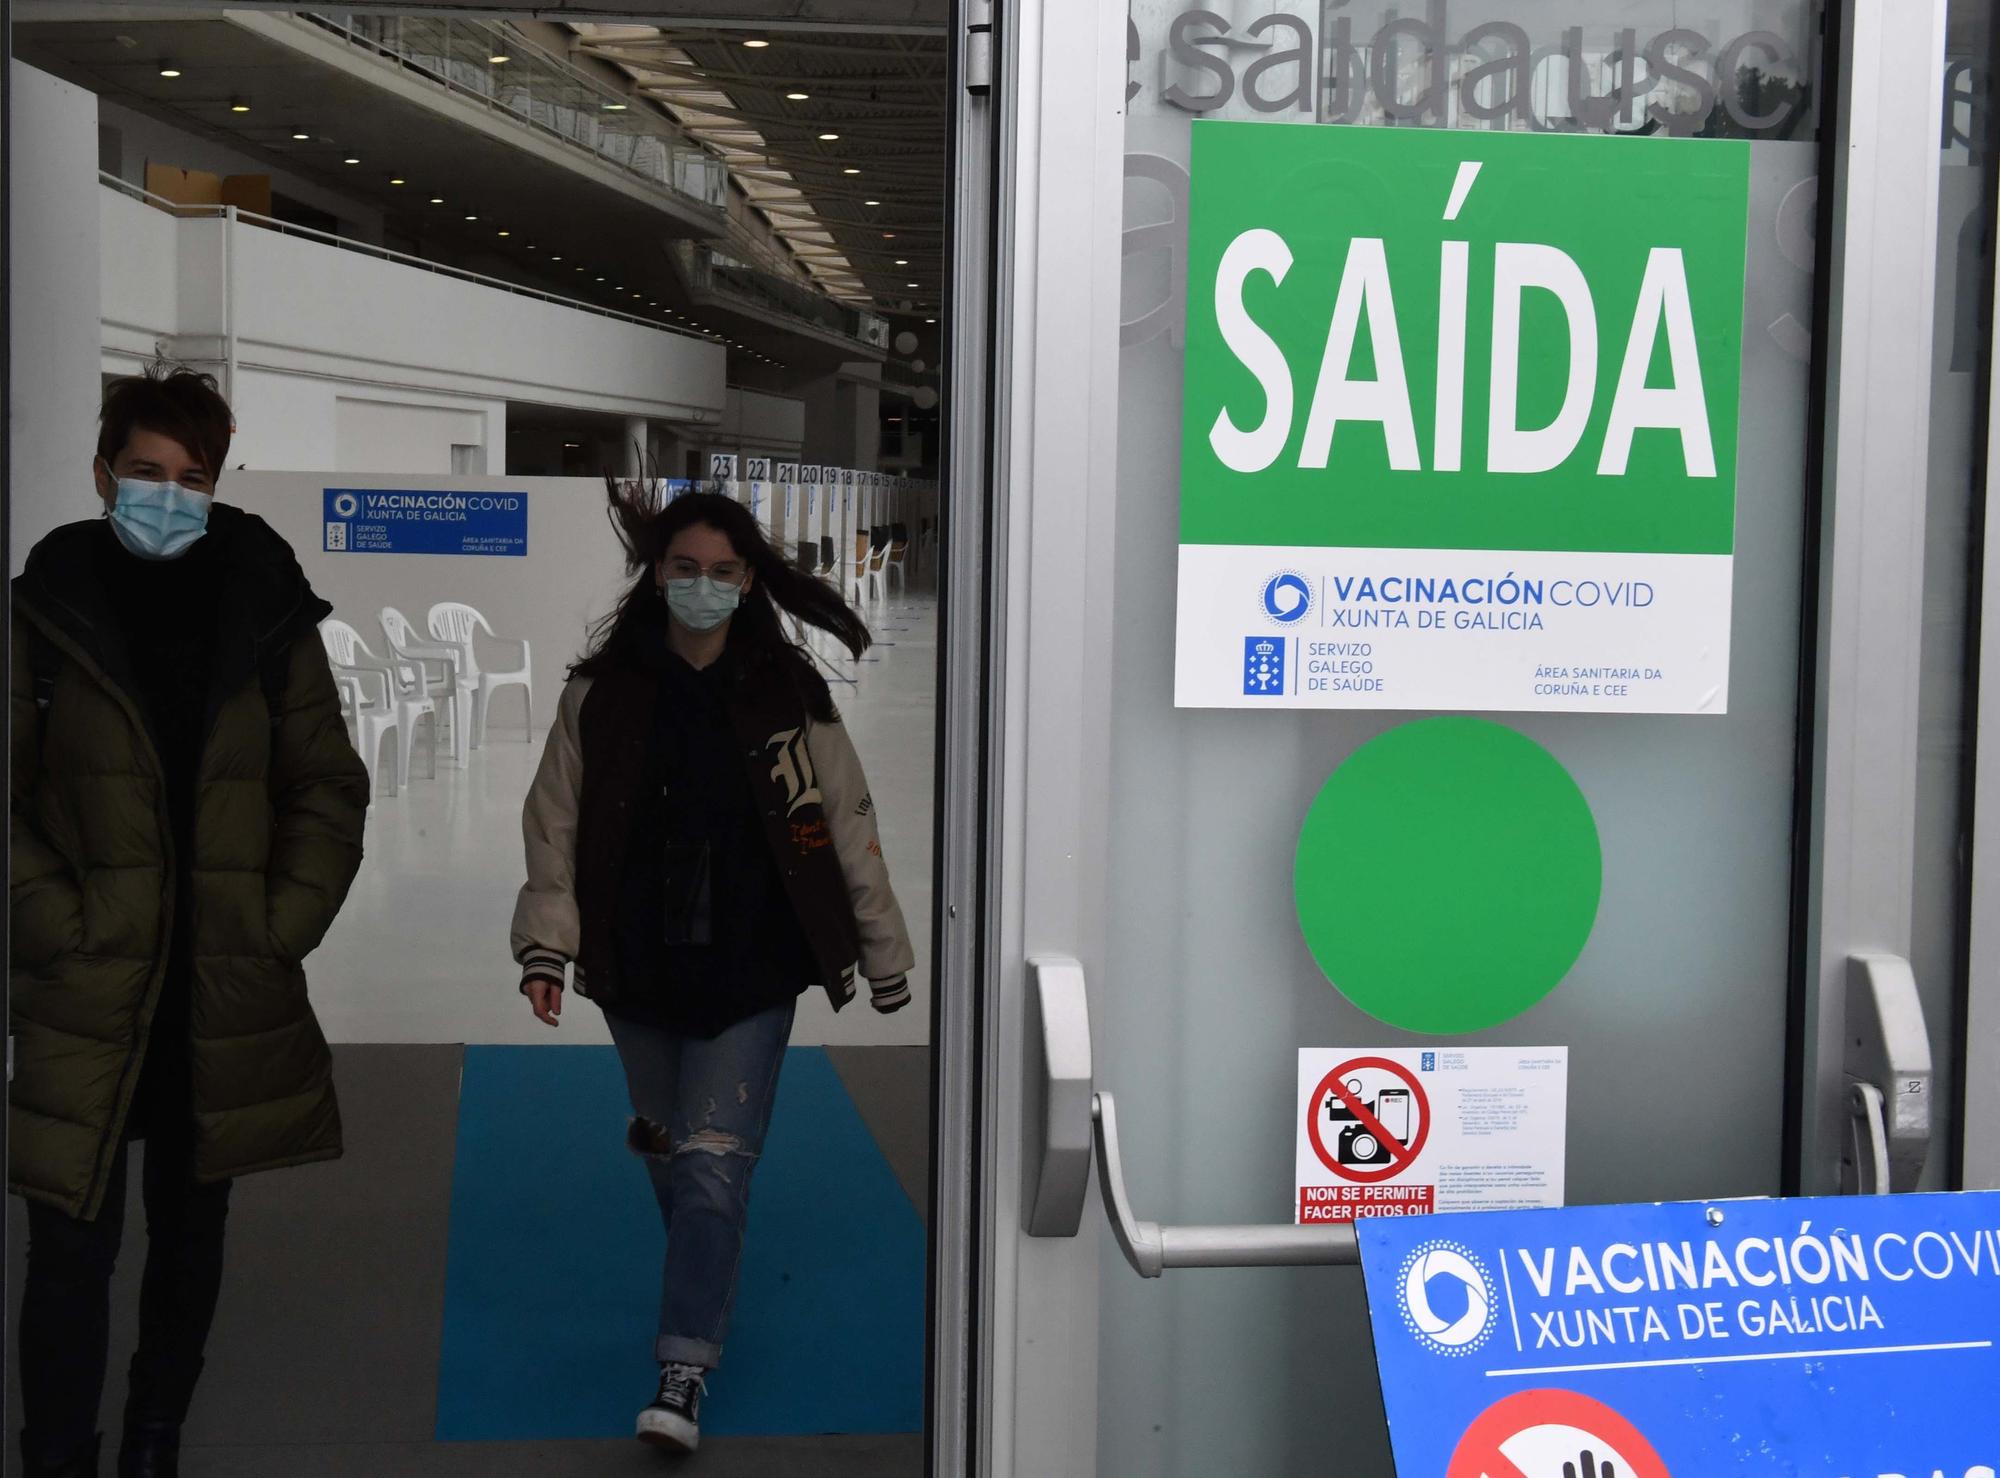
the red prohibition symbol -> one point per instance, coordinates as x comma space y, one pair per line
1365, 1118
1620, 1447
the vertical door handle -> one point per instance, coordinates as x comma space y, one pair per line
1887, 1076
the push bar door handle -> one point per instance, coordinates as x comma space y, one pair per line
1152, 1248
1066, 1123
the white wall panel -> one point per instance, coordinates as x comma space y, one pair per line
52, 315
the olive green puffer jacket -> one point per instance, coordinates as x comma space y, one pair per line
277, 839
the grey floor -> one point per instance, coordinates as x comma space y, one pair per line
324, 1360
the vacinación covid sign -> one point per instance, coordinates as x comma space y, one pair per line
1460, 420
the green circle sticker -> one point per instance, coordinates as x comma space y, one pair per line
1448, 875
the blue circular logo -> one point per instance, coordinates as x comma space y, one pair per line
1287, 597
346, 504
1447, 1296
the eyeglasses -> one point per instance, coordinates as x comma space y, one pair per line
723, 572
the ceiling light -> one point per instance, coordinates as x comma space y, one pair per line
500, 59
828, 138
798, 97
600, 279
239, 106
302, 136
437, 200
506, 233
168, 69
756, 43
902, 261
913, 284
398, 181
871, 202
850, 170
350, 159
888, 235
930, 320
555, 259
472, 218
572, 446
614, 107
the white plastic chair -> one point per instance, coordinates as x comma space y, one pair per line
927, 554
454, 622
894, 559
864, 580
380, 702
367, 731
878, 564
436, 665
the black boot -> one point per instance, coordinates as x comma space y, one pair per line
150, 1450
38, 1462
155, 1406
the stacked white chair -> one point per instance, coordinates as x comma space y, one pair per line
895, 557
454, 623
436, 666
383, 700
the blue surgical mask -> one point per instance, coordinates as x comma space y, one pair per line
159, 520
701, 604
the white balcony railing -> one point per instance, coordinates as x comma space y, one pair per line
543, 92
345, 243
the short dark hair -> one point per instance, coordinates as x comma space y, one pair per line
173, 401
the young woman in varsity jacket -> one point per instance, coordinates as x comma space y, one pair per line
701, 849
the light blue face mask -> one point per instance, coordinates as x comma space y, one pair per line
159, 520
702, 604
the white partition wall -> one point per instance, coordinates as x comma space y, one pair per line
787, 477
816, 500
546, 566
767, 505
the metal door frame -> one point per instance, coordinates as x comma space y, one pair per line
973, 556
1060, 119
1979, 1074
1856, 870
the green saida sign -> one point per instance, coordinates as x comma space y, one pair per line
1460, 419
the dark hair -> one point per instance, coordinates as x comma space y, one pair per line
646, 526
173, 401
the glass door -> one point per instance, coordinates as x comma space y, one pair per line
1683, 937
1958, 839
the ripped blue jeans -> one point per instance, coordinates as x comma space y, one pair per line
700, 1109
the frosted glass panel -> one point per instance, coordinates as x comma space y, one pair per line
1675, 1013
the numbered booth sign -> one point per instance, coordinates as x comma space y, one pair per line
767, 500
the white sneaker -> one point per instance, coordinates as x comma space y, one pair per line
673, 1420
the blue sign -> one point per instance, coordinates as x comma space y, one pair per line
1838, 1338
1264, 666
425, 521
